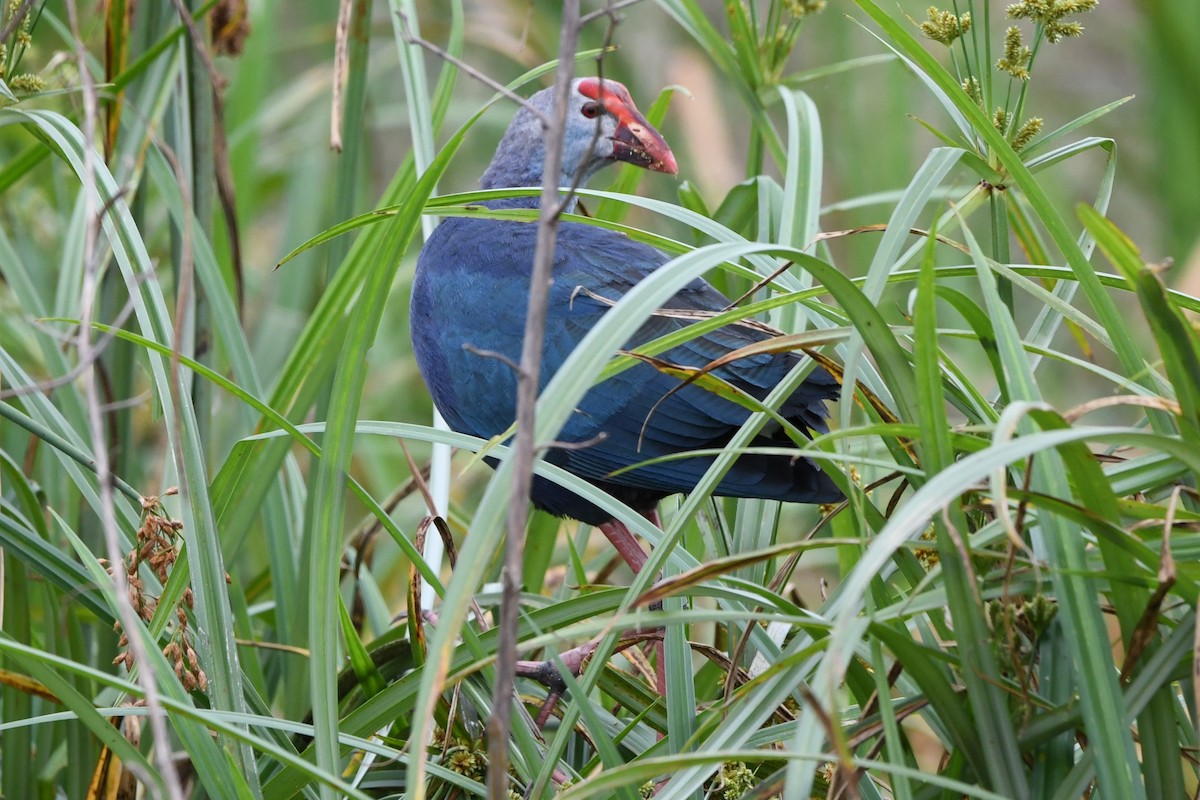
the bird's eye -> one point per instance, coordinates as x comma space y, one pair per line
590, 110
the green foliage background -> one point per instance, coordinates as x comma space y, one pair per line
1005, 607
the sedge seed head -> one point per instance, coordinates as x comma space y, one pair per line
945, 26
1025, 134
802, 8
1051, 16
1016, 55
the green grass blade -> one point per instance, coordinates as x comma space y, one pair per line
325, 546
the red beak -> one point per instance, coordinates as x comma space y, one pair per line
635, 140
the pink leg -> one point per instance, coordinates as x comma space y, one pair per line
546, 672
625, 543
621, 538
660, 653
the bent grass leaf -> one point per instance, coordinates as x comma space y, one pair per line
1177, 339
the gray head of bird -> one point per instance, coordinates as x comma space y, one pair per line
603, 127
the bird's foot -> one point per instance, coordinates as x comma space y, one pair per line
550, 674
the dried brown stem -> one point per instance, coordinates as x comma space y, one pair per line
104, 477
341, 62
499, 725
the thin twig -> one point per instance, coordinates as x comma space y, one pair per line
583, 445
129, 402
362, 540
564, 202
503, 359
201, 45
410, 38
71, 375
609, 11
845, 762
370, 526
826, 235
130, 622
15, 20
527, 387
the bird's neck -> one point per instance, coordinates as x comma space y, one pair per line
509, 172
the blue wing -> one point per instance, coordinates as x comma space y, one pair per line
469, 298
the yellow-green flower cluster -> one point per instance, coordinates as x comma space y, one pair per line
1016, 55
27, 83
1000, 120
1029, 129
1032, 616
466, 760
1005, 122
22, 36
945, 26
735, 780
972, 88
802, 8
1051, 15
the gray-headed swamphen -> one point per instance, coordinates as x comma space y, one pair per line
470, 295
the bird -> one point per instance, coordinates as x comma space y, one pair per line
469, 301
467, 322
